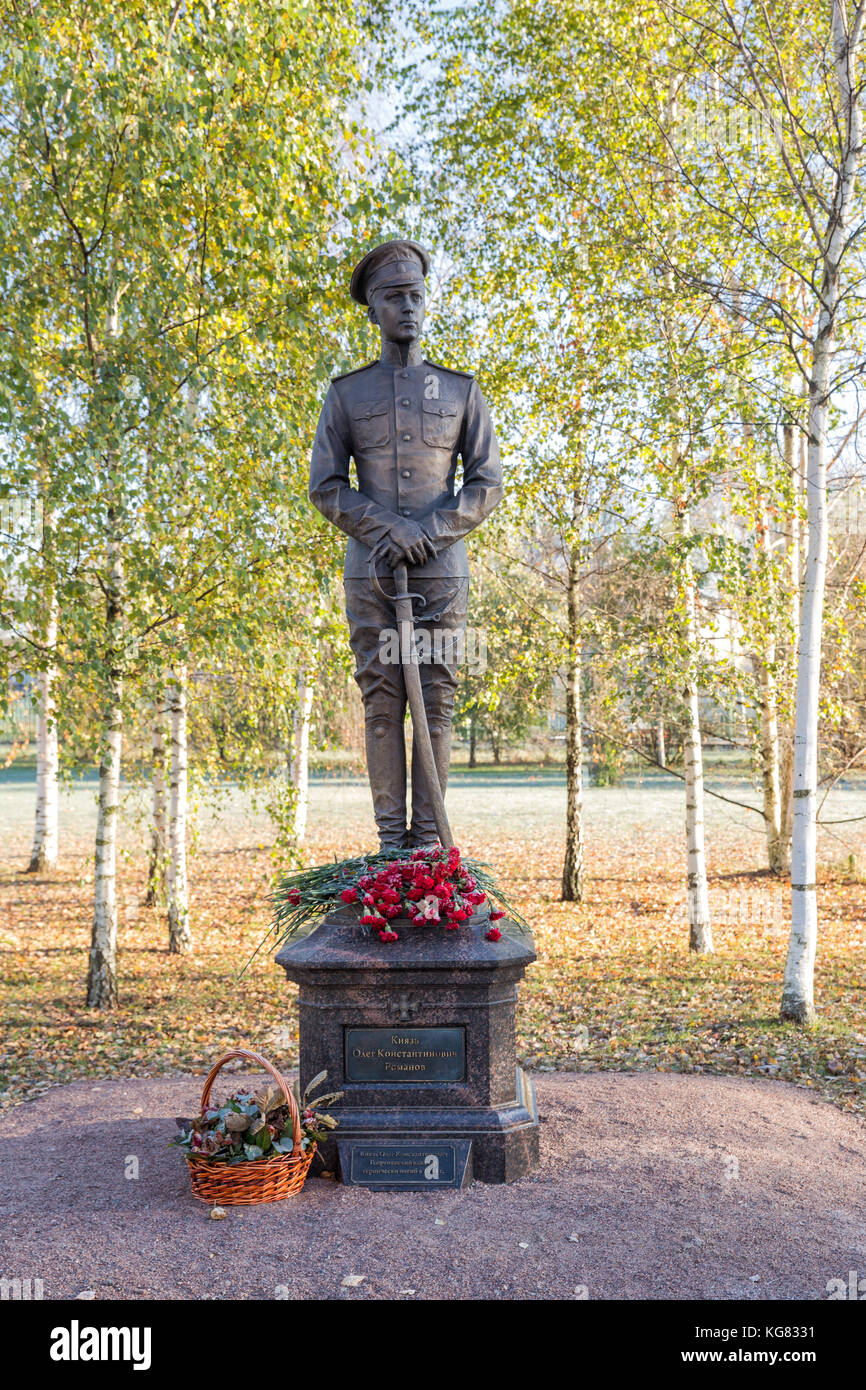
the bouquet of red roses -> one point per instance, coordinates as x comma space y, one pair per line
428, 886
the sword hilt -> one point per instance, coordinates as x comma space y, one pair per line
402, 592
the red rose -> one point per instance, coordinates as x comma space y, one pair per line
494, 934
349, 895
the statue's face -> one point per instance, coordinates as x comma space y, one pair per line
399, 311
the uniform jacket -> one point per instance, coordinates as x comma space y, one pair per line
405, 427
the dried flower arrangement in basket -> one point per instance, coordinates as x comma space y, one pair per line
256, 1146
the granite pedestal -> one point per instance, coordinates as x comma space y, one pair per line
419, 1034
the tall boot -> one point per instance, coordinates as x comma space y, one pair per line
385, 740
423, 829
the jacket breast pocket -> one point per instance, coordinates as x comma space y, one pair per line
440, 423
371, 424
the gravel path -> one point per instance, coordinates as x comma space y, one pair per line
651, 1186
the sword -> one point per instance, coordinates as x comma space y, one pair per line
412, 678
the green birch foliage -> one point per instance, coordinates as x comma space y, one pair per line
175, 185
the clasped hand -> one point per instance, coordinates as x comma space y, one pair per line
407, 544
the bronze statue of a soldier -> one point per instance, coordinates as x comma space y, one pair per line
406, 422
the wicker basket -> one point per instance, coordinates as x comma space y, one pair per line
259, 1179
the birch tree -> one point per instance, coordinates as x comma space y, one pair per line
758, 588
177, 892
796, 77
43, 857
697, 898
299, 745
156, 862
531, 281
106, 403
172, 182
300, 760
833, 242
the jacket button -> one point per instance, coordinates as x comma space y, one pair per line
405, 401
407, 437
404, 374
407, 473
404, 511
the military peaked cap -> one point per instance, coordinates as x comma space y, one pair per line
392, 263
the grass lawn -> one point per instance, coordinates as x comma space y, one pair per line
614, 987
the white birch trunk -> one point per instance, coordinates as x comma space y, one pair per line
697, 892
770, 759
43, 855
698, 898
177, 887
102, 969
769, 745
177, 893
661, 752
768, 719
300, 768
572, 869
798, 990
156, 868
795, 458
102, 974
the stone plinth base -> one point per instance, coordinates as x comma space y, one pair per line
419, 1034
